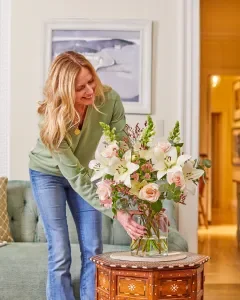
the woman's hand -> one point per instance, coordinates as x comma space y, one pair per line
133, 229
164, 223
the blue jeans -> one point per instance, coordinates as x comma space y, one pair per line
51, 194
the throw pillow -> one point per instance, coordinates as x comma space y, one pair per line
5, 234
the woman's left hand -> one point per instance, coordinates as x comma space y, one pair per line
133, 229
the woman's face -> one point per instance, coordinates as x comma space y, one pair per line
85, 87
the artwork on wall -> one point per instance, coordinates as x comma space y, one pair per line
236, 146
236, 100
119, 50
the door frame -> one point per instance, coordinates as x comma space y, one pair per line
189, 83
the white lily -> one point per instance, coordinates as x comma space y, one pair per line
171, 157
176, 175
124, 169
146, 154
190, 173
164, 160
182, 159
102, 165
110, 150
160, 166
143, 153
184, 174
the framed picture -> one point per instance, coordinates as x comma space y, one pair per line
236, 146
120, 51
236, 100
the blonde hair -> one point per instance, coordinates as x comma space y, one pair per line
57, 109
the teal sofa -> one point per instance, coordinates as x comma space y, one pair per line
23, 264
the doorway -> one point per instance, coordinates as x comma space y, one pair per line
220, 198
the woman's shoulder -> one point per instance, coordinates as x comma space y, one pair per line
110, 94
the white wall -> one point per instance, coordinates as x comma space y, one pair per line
28, 58
168, 69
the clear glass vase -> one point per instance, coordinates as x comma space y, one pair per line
155, 242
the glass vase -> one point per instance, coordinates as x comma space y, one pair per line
155, 242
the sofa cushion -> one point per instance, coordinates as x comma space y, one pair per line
26, 223
23, 268
5, 234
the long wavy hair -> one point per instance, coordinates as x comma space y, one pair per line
57, 108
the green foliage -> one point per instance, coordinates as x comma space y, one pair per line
157, 206
108, 132
207, 163
109, 177
170, 191
174, 136
148, 132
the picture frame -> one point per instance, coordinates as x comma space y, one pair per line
236, 100
120, 51
236, 146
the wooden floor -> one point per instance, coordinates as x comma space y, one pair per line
224, 216
222, 272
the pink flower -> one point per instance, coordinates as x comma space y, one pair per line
175, 175
104, 192
106, 203
147, 167
135, 176
150, 192
164, 146
147, 176
162, 149
110, 151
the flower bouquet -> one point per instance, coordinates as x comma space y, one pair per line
138, 174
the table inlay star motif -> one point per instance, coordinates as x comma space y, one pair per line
174, 287
131, 287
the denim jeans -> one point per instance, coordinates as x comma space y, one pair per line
51, 194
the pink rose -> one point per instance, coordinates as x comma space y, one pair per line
161, 148
165, 146
150, 192
110, 151
175, 175
104, 192
106, 203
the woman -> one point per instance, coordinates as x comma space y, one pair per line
75, 102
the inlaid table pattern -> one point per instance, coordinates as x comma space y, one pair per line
128, 280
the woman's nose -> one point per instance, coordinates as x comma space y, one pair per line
89, 89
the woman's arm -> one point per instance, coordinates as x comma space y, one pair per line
78, 177
118, 119
79, 180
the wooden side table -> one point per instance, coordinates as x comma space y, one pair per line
125, 280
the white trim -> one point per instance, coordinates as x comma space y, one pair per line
5, 33
142, 26
189, 108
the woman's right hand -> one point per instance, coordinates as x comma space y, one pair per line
133, 229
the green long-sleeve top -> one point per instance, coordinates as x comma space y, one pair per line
71, 160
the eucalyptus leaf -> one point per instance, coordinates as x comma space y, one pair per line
157, 206
207, 163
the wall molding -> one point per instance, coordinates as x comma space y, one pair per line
189, 82
5, 53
